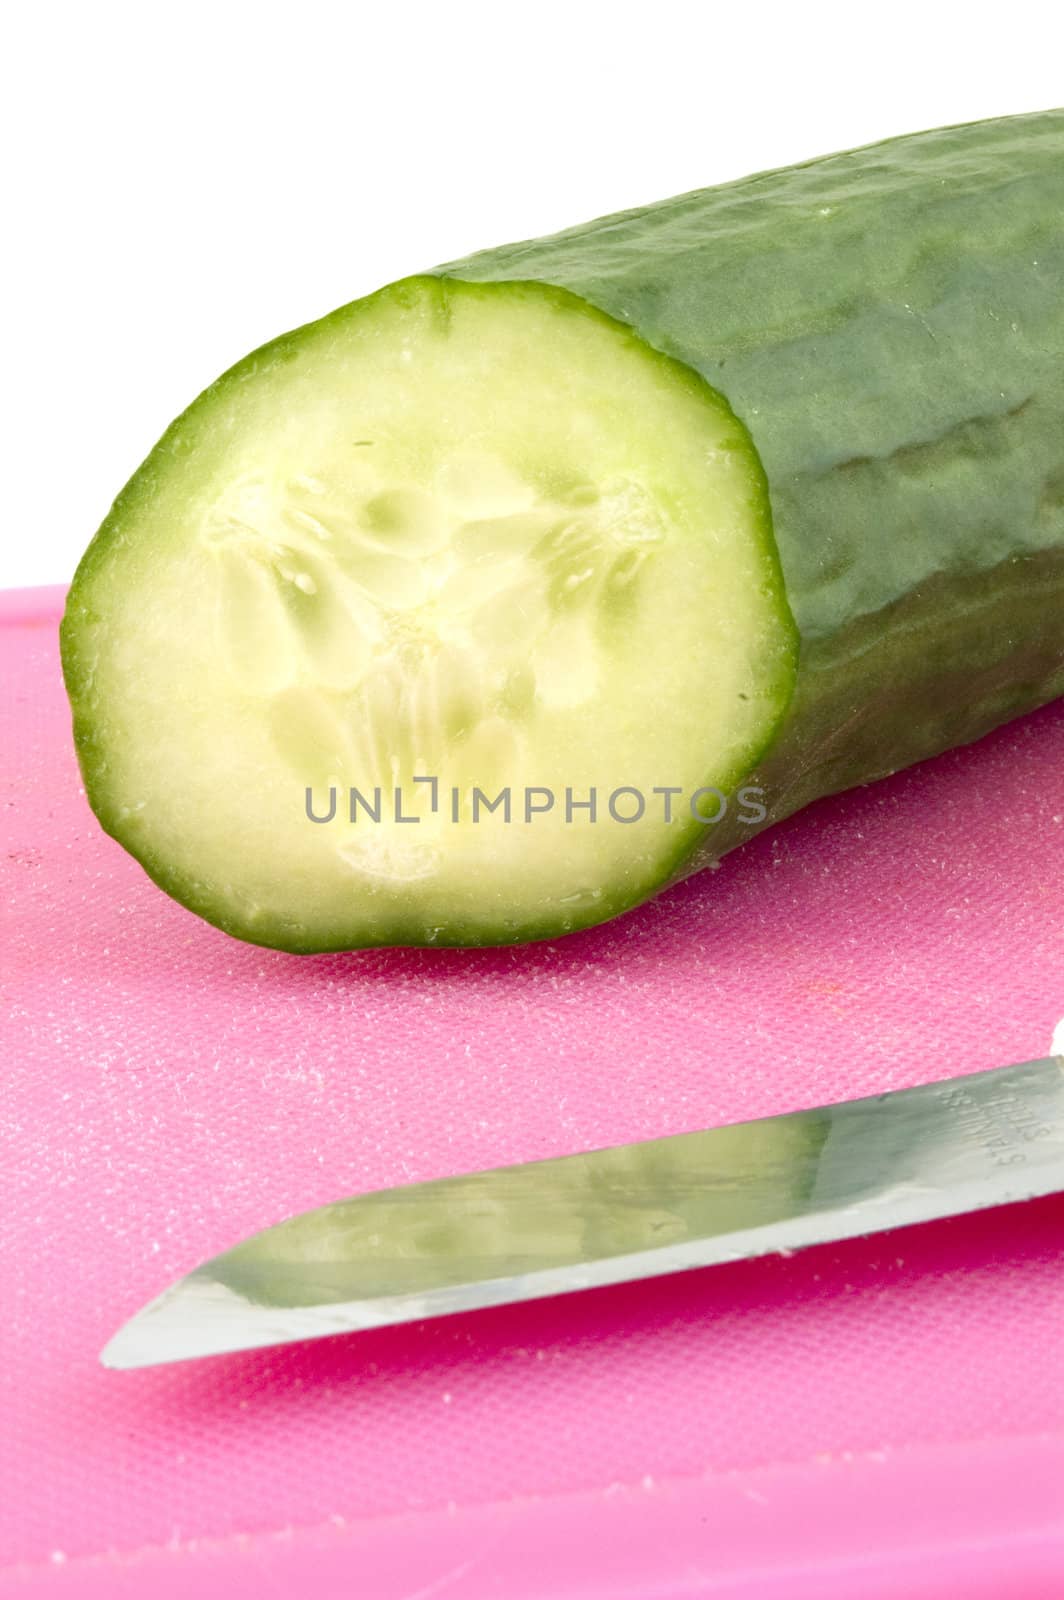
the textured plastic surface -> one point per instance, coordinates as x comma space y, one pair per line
883, 1417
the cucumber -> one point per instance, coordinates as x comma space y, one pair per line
708, 509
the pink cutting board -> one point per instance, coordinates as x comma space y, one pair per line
877, 1419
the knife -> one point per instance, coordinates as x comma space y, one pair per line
630, 1212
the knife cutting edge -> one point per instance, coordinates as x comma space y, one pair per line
630, 1212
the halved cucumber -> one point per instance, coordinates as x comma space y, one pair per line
406, 590
497, 536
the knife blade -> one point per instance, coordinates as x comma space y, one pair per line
629, 1212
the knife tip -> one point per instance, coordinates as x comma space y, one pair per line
117, 1354
200, 1316
171, 1327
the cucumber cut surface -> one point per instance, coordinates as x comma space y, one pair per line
406, 590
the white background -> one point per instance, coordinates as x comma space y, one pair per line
187, 180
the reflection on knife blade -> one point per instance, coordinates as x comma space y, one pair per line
631, 1212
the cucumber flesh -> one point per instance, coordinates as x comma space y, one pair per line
477, 534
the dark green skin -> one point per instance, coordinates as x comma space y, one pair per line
899, 363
